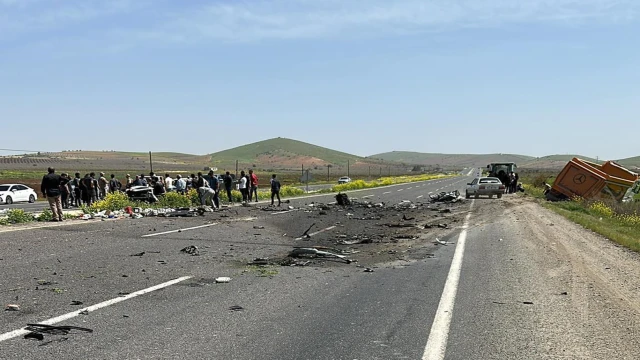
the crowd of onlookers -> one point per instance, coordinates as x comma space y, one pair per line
64, 191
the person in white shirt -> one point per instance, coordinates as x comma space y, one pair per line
181, 185
243, 187
168, 182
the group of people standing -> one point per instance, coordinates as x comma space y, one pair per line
62, 191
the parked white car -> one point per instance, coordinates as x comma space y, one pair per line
10, 193
488, 186
344, 180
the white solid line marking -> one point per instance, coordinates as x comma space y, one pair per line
179, 230
61, 318
318, 232
420, 197
437, 343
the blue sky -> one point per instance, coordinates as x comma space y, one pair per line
534, 77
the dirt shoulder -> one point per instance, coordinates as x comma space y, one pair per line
608, 267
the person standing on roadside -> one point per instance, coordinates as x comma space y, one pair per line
64, 190
228, 184
254, 185
214, 184
50, 188
103, 186
243, 186
168, 182
77, 190
180, 185
90, 189
114, 184
275, 189
128, 182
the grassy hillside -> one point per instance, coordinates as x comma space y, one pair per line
460, 160
284, 151
632, 162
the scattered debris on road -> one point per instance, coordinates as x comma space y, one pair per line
12, 307
191, 250
447, 197
236, 308
368, 270
43, 329
343, 199
138, 254
223, 280
313, 252
76, 303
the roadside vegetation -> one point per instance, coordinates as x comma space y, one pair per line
619, 222
119, 201
384, 181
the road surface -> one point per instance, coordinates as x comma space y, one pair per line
513, 281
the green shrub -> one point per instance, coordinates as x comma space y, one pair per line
19, 216
113, 201
46, 215
173, 200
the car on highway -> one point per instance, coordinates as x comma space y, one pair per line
485, 186
10, 193
344, 180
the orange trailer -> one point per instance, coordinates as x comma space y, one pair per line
590, 180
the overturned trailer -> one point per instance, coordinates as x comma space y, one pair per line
590, 181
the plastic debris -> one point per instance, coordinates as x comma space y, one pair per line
222, 280
12, 307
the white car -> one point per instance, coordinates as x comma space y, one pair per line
344, 180
487, 186
10, 193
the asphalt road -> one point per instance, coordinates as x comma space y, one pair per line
495, 291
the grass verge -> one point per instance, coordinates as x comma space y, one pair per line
618, 222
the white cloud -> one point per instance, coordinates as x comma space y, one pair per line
244, 20
239, 20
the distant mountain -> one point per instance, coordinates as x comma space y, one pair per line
633, 163
553, 161
288, 153
450, 160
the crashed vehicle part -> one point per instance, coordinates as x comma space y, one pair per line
590, 180
141, 193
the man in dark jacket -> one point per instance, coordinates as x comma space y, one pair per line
228, 183
275, 189
50, 189
114, 184
77, 189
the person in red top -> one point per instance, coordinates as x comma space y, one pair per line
254, 185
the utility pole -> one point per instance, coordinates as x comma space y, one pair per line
236, 169
328, 172
150, 161
380, 171
302, 169
369, 172
348, 172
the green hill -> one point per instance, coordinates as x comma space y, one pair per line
284, 152
459, 160
632, 162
